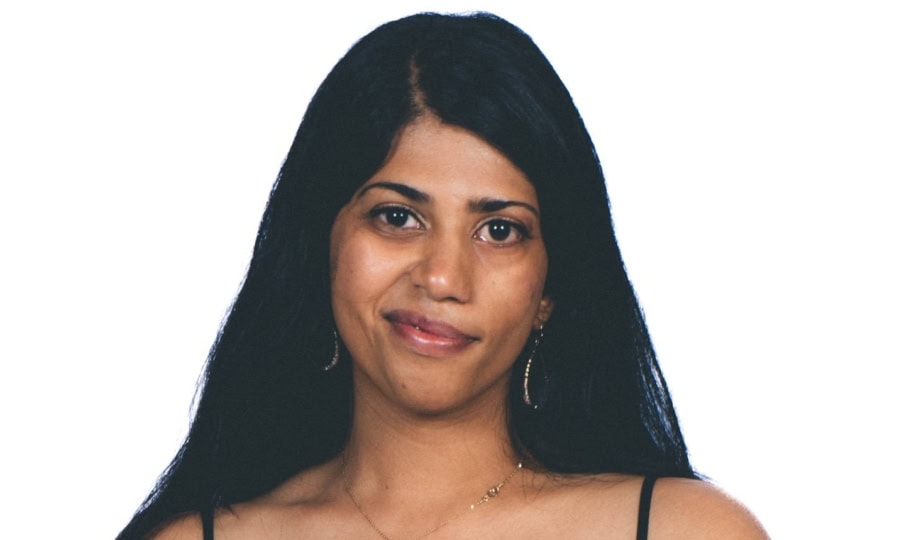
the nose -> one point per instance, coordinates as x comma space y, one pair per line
445, 269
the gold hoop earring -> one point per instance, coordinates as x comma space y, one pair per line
336, 355
536, 343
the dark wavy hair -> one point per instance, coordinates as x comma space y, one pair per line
266, 409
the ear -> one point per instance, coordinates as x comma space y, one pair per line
547, 304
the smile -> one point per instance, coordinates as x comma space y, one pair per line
427, 337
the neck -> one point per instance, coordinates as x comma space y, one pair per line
466, 451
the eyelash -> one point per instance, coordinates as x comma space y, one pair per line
382, 213
523, 233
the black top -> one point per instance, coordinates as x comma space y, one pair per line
644, 507
208, 516
208, 524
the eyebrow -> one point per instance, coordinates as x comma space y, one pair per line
486, 205
408, 192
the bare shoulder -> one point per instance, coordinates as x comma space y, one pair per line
286, 506
684, 508
185, 527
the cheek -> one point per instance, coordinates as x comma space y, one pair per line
344, 270
517, 293
524, 279
361, 270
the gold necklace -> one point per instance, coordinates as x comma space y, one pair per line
491, 493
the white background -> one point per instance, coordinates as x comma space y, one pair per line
756, 155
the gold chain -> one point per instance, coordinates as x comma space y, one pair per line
491, 493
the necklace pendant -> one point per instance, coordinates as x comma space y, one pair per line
490, 493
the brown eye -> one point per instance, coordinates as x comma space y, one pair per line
395, 217
502, 232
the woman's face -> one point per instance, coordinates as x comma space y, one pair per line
438, 266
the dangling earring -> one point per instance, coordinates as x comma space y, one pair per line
536, 343
336, 356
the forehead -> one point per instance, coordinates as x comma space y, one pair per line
451, 161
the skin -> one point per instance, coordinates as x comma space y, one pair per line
425, 239
435, 290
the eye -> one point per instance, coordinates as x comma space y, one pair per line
395, 217
502, 232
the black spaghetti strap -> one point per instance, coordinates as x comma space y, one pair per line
208, 524
644, 507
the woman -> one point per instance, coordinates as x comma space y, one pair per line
436, 337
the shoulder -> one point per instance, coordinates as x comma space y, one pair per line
685, 508
185, 527
300, 497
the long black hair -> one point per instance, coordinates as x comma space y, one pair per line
267, 410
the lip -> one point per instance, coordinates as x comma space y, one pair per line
428, 337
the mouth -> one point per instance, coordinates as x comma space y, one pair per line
428, 337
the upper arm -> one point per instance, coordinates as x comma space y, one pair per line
683, 508
185, 527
